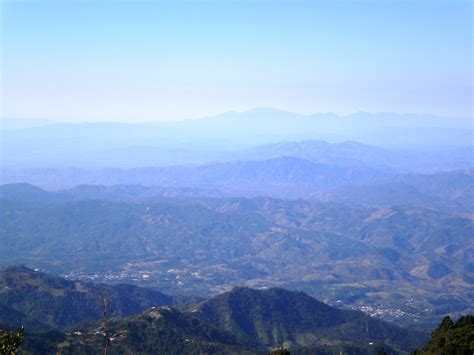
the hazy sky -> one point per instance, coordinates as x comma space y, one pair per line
164, 60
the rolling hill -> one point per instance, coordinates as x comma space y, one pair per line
42, 302
277, 317
241, 321
393, 262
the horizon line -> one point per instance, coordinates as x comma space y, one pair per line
278, 110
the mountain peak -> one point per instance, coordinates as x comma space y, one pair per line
274, 316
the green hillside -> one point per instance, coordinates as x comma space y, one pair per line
65, 315
40, 301
161, 330
277, 317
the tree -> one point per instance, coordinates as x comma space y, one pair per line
451, 338
105, 322
10, 341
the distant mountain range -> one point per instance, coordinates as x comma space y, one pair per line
218, 138
284, 177
22, 123
354, 154
452, 190
240, 321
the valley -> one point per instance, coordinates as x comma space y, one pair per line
66, 316
405, 264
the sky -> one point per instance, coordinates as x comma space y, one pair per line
83, 60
